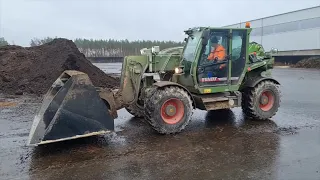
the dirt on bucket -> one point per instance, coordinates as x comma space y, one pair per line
32, 70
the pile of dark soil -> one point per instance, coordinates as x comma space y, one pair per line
32, 70
312, 62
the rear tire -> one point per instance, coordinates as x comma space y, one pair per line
168, 110
261, 102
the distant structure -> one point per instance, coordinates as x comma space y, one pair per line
295, 33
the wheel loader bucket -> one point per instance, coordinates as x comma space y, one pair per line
72, 108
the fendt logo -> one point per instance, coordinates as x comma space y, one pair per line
210, 79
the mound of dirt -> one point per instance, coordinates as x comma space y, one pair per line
32, 70
312, 62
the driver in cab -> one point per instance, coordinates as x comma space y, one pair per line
218, 52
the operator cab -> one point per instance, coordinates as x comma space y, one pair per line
215, 56
223, 51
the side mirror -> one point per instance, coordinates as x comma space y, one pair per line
205, 37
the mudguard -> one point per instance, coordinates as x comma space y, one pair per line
162, 84
253, 81
72, 108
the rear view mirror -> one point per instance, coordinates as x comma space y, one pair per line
205, 34
205, 37
204, 42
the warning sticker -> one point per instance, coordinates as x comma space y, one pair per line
207, 90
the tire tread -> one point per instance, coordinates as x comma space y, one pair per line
154, 97
248, 102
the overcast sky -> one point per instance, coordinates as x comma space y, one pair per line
22, 20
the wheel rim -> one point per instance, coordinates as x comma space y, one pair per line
266, 101
172, 111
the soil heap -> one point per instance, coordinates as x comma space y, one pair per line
312, 62
32, 70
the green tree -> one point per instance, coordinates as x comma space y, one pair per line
111, 47
3, 42
38, 42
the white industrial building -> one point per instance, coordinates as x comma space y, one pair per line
292, 33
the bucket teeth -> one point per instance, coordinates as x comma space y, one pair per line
71, 109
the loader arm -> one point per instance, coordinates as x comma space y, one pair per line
133, 68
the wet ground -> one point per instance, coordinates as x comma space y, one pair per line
216, 145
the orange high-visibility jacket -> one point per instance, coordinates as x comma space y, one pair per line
220, 53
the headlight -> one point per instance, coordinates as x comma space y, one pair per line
177, 70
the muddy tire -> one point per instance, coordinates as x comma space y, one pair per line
168, 110
261, 102
135, 110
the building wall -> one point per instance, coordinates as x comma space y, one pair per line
298, 30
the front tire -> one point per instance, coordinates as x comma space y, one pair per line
135, 110
261, 102
168, 110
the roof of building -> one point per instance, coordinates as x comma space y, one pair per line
314, 7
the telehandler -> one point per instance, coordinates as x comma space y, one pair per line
164, 87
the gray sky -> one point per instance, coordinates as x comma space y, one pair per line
22, 20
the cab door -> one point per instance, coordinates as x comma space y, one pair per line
238, 54
213, 65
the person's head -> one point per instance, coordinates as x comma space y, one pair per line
214, 40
